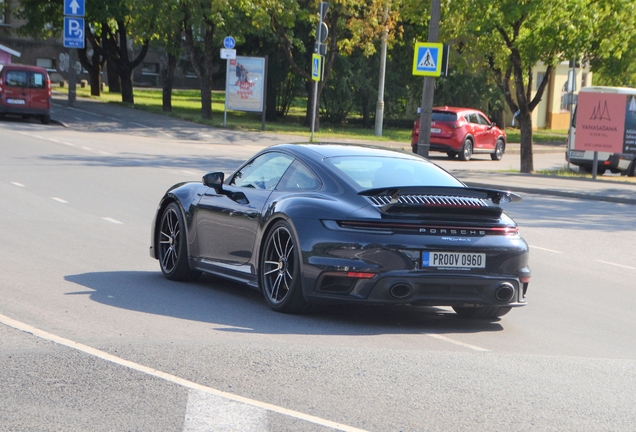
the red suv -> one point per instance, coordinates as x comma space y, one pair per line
25, 91
463, 132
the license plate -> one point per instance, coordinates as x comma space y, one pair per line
578, 154
454, 259
435, 130
16, 101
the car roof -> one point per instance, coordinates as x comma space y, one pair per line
456, 110
16, 66
327, 150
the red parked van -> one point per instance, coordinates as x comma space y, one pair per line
25, 91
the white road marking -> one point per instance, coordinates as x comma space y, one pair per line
60, 200
17, 184
87, 148
545, 249
617, 265
111, 220
453, 341
104, 153
172, 378
209, 412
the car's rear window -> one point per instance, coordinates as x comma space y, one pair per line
16, 78
369, 172
37, 81
21, 78
444, 116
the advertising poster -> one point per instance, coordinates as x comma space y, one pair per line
244, 87
600, 122
630, 125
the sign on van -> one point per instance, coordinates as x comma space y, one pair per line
606, 122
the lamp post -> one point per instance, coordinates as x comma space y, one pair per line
379, 108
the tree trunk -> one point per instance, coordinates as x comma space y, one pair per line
525, 125
167, 78
206, 98
203, 65
114, 84
127, 94
94, 69
117, 51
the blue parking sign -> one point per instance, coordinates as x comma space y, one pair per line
73, 32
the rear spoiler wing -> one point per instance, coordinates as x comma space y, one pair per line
495, 195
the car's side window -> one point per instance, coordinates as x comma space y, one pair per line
262, 172
473, 118
298, 178
483, 120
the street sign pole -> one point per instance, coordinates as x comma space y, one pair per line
228, 53
72, 79
428, 90
73, 40
321, 36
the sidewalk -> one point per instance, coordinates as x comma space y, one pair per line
599, 190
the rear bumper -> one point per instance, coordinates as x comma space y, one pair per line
617, 162
18, 110
428, 289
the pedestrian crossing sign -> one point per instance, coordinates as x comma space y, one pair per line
427, 59
316, 67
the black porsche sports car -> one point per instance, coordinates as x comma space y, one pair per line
308, 223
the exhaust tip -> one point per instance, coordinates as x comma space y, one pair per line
505, 292
400, 291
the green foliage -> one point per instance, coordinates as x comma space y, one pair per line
470, 90
338, 93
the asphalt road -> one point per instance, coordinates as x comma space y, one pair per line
93, 338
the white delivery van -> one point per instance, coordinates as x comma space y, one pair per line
606, 118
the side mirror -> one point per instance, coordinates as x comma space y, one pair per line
214, 180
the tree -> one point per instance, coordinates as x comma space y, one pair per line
509, 37
613, 59
351, 23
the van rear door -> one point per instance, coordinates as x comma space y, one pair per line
40, 97
16, 90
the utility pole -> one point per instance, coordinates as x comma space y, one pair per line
320, 49
379, 108
428, 90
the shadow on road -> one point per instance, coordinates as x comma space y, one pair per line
238, 308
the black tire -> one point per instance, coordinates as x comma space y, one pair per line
483, 312
451, 154
500, 148
45, 119
467, 150
172, 246
279, 271
631, 170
